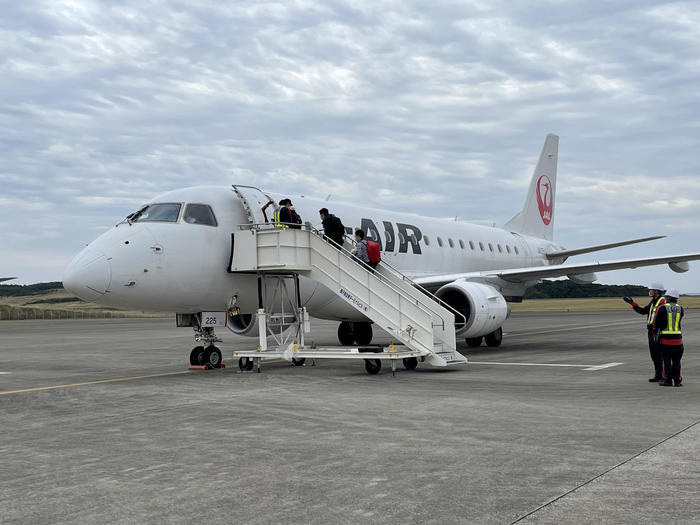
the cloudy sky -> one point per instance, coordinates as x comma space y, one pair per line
437, 108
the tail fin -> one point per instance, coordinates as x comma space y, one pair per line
537, 216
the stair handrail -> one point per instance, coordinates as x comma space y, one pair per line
410, 281
423, 305
345, 252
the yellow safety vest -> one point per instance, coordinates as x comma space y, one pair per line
276, 219
652, 311
673, 323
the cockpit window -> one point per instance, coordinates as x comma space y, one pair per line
200, 214
157, 213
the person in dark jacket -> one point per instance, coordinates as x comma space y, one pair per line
656, 292
296, 219
332, 227
669, 339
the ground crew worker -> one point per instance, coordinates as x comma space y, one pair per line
656, 291
667, 327
283, 215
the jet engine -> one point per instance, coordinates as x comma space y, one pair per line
482, 305
243, 324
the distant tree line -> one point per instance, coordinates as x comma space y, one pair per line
546, 290
13, 290
567, 289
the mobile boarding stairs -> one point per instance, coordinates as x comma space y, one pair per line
423, 328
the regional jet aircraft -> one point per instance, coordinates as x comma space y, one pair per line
172, 253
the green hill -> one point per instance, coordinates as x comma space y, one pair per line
569, 289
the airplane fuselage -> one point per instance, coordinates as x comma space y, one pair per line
182, 267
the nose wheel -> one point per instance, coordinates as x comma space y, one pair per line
210, 356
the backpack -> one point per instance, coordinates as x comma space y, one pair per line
338, 228
373, 252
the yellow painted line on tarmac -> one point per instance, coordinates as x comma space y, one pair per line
54, 387
587, 327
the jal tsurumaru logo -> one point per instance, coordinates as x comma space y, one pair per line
545, 200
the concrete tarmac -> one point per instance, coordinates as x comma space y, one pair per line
101, 423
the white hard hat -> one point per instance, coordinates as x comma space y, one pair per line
673, 293
657, 286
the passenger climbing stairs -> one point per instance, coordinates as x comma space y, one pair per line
422, 328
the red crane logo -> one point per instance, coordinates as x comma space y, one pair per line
544, 199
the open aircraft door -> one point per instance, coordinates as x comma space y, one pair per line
258, 205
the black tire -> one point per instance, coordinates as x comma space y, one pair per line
362, 333
298, 362
345, 335
212, 357
197, 356
245, 364
473, 341
494, 338
373, 366
410, 363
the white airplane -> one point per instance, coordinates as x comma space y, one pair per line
173, 254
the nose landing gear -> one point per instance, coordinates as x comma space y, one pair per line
210, 356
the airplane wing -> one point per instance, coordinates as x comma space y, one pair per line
589, 249
535, 273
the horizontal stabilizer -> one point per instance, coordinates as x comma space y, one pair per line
589, 249
3, 279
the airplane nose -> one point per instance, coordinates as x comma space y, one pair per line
88, 276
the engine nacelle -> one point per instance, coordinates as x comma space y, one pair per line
482, 305
243, 324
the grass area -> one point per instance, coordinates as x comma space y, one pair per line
589, 304
59, 304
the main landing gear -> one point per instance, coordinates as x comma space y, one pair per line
493, 339
354, 333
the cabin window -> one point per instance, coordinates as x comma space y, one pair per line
500, 250
507, 248
490, 247
461, 244
166, 212
471, 244
452, 244
427, 240
440, 242
516, 250
481, 246
199, 214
